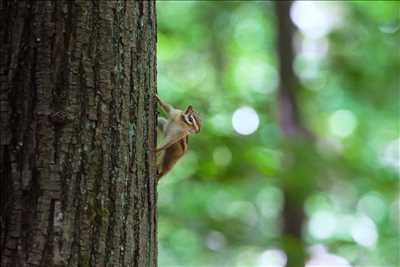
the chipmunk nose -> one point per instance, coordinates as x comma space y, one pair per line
195, 130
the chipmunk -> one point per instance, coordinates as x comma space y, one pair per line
175, 130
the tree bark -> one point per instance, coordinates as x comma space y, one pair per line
77, 120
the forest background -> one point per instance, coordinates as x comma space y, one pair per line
223, 204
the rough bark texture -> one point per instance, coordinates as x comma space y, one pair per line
77, 121
295, 136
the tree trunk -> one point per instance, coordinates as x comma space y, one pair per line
295, 179
77, 120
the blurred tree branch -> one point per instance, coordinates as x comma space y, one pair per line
295, 136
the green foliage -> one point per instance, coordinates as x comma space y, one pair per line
222, 204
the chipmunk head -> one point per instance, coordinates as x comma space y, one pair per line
192, 119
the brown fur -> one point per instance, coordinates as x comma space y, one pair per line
175, 132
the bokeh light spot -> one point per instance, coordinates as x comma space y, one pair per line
390, 155
245, 211
364, 232
215, 241
322, 225
322, 258
272, 258
373, 205
245, 120
222, 156
390, 27
269, 201
315, 18
342, 123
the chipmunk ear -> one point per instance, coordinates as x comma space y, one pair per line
189, 109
